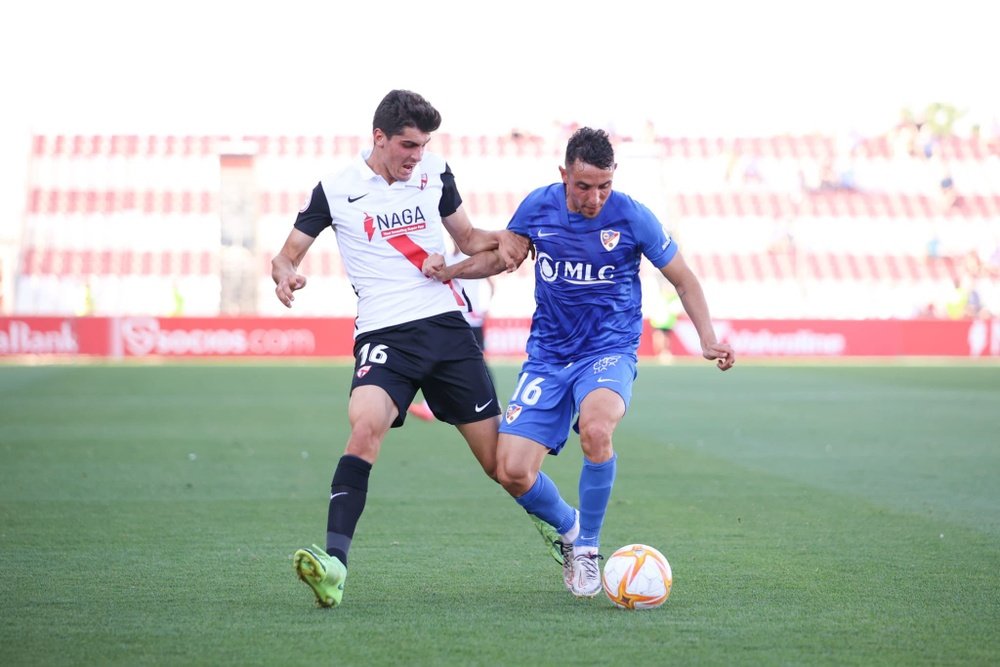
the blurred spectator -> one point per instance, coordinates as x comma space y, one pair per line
947, 196
85, 307
958, 300
993, 259
972, 264
934, 246
782, 240
927, 141
903, 136
178, 296
743, 169
828, 176
663, 318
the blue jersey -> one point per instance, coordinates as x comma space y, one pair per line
587, 292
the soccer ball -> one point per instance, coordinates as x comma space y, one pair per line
637, 576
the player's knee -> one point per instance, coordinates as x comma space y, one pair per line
364, 442
595, 440
516, 480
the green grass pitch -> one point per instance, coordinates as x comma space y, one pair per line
839, 515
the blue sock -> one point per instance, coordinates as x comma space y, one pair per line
596, 480
543, 500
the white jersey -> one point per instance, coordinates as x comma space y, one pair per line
384, 233
478, 292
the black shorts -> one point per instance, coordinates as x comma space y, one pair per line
438, 355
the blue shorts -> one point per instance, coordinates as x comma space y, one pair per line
546, 401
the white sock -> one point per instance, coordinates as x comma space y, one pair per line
570, 536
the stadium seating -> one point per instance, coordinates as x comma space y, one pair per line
783, 226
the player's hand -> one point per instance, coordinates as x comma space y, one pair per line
721, 353
433, 265
513, 249
287, 285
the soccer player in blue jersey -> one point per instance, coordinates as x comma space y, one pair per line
585, 331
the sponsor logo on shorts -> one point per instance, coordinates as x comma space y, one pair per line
512, 412
480, 408
605, 363
363, 371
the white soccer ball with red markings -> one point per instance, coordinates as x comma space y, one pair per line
637, 576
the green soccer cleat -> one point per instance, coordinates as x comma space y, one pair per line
551, 537
323, 573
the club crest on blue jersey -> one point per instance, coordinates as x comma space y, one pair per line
610, 238
512, 412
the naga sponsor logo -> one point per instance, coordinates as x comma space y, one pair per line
142, 336
576, 273
20, 338
396, 223
400, 222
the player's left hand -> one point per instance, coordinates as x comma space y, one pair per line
721, 353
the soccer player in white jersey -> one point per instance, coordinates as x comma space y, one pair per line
388, 210
584, 335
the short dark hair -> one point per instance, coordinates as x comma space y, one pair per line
590, 146
403, 108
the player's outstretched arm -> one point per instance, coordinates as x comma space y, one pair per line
695, 305
284, 266
513, 247
481, 265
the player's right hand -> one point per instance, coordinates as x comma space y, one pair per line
722, 354
433, 265
513, 249
287, 285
